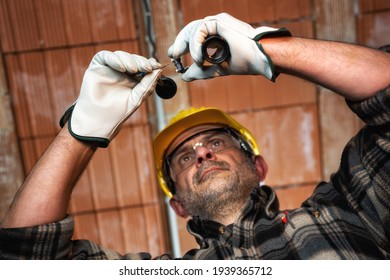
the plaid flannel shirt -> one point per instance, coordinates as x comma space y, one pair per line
346, 218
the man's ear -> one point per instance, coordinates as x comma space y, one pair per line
177, 207
261, 167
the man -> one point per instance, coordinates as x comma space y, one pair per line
209, 164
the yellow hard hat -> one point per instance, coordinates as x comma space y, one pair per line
191, 118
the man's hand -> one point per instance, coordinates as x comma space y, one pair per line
246, 53
109, 94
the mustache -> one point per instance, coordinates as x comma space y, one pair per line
208, 164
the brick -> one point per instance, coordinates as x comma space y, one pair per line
102, 180
263, 93
110, 228
239, 93
292, 90
157, 238
77, 25
86, 227
60, 84
51, 23
373, 5
149, 236
23, 24
81, 199
373, 29
208, 8
123, 160
7, 42
145, 164
32, 149
237, 9
292, 197
260, 11
286, 9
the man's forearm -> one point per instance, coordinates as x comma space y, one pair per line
45, 194
353, 71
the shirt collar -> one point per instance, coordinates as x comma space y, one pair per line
260, 196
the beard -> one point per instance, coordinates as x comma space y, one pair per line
221, 193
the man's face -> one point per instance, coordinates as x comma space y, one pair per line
212, 174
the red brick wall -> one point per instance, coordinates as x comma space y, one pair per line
47, 46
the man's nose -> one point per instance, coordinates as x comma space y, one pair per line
203, 153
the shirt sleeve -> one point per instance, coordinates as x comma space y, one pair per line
48, 241
53, 241
364, 174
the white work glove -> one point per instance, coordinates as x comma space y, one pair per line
109, 94
246, 53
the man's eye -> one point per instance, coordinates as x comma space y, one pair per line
217, 142
184, 159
